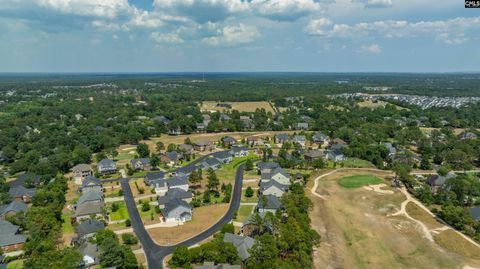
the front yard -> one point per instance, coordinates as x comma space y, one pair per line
120, 214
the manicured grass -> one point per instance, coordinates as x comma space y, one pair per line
124, 156
244, 212
120, 214
140, 173
18, 264
352, 182
351, 163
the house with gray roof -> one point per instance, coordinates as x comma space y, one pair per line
141, 164
173, 194
203, 145
212, 163
106, 166
467, 136
151, 177
90, 196
20, 193
391, 149
10, 239
12, 208
177, 211
186, 148
300, 140
335, 153
90, 203
171, 157
267, 167
91, 183
228, 141
272, 187
242, 243
176, 182
313, 154
239, 151
90, 253
26, 179
475, 213
320, 138
161, 119
268, 203
281, 138
301, 126
437, 181
87, 229
223, 156
278, 174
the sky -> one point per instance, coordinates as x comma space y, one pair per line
238, 36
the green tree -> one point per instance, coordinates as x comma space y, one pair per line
154, 161
249, 192
160, 146
180, 257
143, 150
129, 239
213, 181
249, 165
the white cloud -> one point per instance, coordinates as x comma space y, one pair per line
395, 29
98, 8
284, 10
372, 49
378, 3
233, 35
458, 40
170, 38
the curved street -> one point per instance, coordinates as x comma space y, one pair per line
156, 253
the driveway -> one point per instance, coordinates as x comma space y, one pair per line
156, 253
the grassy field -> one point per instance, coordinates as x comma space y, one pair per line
66, 224
371, 104
358, 231
418, 213
121, 213
240, 106
244, 212
18, 264
358, 181
455, 243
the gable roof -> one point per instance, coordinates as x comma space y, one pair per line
90, 196
283, 137
272, 202
86, 209
173, 194
236, 149
82, 167
142, 161
89, 226
267, 165
20, 191
14, 206
106, 163
211, 161
174, 204
222, 155
90, 181
272, 183
299, 138
23, 177
7, 228
241, 243
475, 213
319, 136
12, 239
313, 153
203, 143
173, 155
229, 139
152, 176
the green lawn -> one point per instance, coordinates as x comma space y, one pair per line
244, 212
351, 163
228, 171
246, 199
124, 156
352, 182
67, 225
18, 264
140, 173
120, 214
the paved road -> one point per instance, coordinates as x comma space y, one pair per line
156, 253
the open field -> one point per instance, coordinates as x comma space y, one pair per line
371, 104
359, 231
456, 244
203, 217
240, 106
357, 181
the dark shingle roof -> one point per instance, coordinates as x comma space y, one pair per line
142, 161
20, 191
90, 197
14, 206
267, 165
173, 194
90, 181
272, 183
89, 208
7, 228
89, 226
241, 243
222, 155
475, 213
152, 176
173, 204
272, 202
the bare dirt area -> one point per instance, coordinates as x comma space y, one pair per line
203, 217
240, 106
361, 228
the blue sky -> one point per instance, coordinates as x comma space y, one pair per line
238, 35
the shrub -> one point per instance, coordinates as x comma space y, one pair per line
128, 223
129, 239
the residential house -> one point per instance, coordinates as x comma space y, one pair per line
242, 243
228, 141
82, 170
91, 203
161, 119
391, 149
20, 193
187, 169
253, 141
172, 194
339, 141
176, 182
224, 117
212, 265
186, 149
171, 158
141, 164
301, 126
174, 131
281, 138
212, 163
12, 208
300, 139
278, 174
239, 151
223, 156
266, 167
475, 213
177, 211
335, 153
320, 138
247, 122
92, 183
106, 166
201, 127
10, 239
151, 177
26, 179
437, 181
87, 229
268, 203
91, 254
313, 154
272, 187
204, 145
